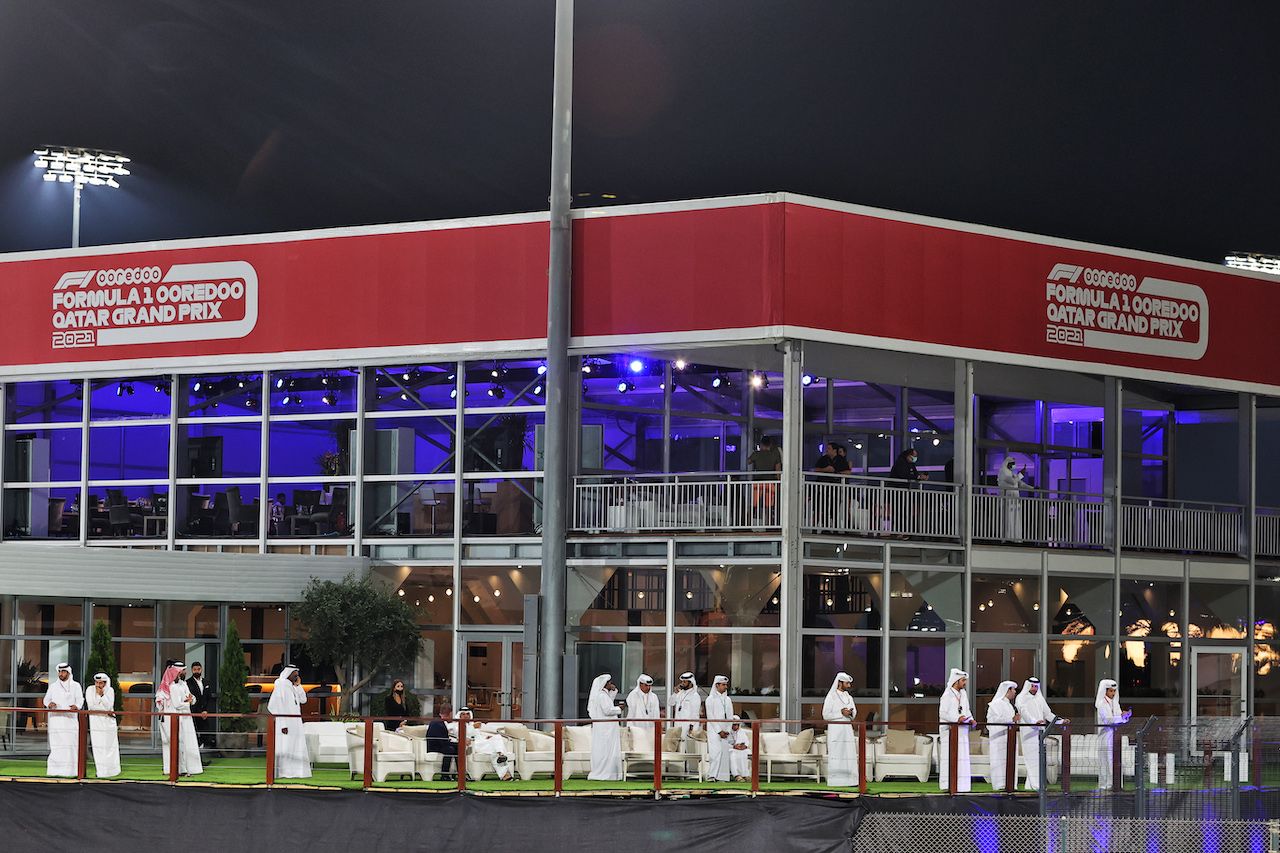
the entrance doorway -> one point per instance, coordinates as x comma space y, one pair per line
996, 662
493, 666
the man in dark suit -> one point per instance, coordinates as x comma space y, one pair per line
437, 737
202, 699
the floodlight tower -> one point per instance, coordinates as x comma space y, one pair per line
80, 166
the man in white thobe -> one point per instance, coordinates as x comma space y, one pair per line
842, 740
101, 704
685, 706
1010, 483
1001, 712
643, 705
1109, 716
953, 707
606, 736
63, 696
740, 757
719, 730
1033, 708
485, 751
173, 697
285, 705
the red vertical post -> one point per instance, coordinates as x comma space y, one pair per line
82, 742
462, 753
755, 757
558, 768
862, 759
1117, 781
368, 752
271, 751
953, 760
657, 755
172, 723
1011, 757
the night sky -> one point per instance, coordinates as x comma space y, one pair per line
1146, 126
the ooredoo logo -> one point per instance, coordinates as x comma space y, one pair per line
1111, 310
146, 305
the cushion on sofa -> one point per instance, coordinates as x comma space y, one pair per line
801, 743
775, 743
516, 731
578, 738
671, 739
900, 742
414, 731
539, 741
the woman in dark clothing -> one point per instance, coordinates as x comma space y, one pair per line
395, 708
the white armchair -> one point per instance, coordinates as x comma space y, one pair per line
326, 741
392, 753
637, 753
901, 753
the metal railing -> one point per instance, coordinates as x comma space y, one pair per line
1266, 532
878, 506
1061, 519
660, 502
1151, 524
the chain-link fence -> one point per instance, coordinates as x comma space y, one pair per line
885, 832
1209, 768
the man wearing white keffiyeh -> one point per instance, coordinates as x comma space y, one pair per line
101, 702
63, 695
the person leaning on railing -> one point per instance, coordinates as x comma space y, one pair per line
904, 468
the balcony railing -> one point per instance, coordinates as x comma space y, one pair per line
662, 502
875, 506
881, 507
1162, 525
1061, 519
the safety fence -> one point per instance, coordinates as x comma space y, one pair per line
1164, 525
910, 832
875, 506
1062, 520
659, 502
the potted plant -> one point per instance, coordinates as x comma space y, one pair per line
103, 659
234, 696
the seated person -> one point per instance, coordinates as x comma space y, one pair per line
438, 739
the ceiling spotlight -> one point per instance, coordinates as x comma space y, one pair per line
721, 381
637, 366
624, 386
537, 390
252, 403
280, 380
586, 368
161, 385
330, 398
497, 391
936, 442
453, 394
542, 368
806, 380
288, 399
759, 380
197, 385
681, 364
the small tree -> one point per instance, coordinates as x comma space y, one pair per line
102, 658
234, 696
357, 626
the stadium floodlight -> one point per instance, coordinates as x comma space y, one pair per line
80, 166
1254, 262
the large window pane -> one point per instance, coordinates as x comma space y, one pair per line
310, 509
413, 387
1005, 604
419, 507
129, 399
310, 448
1218, 610
430, 590
313, 391
222, 395
219, 449
1075, 667
1080, 605
750, 661
918, 666
842, 598
42, 455
45, 511
188, 619
728, 596
495, 596
1150, 669
138, 452
41, 617
1150, 608
707, 389
604, 595
824, 656
501, 442
926, 601
53, 402
419, 445
127, 620
259, 621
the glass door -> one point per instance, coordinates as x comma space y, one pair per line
493, 663
1217, 678
995, 662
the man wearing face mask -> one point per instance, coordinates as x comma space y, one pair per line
904, 468
686, 705
720, 737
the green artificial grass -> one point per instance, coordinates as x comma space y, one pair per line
251, 771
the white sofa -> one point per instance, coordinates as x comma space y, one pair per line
637, 754
326, 741
799, 755
392, 753
901, 753
427, 765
